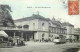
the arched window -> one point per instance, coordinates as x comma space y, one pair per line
26, 26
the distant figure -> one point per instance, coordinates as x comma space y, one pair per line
70, 40
22, 43
17, 42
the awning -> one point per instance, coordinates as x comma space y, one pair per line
2, 33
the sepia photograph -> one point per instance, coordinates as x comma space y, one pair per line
39, 25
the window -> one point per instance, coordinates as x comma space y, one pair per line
49, 35
56, 37
49, 30
49, 23
19, 26
42, 37
26, 26
42, 24
33, 24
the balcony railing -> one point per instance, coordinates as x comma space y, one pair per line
25, 29
12, 28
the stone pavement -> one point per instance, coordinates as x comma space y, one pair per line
41, 47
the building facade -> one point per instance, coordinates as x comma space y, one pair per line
77, 33
70, 30
45, 29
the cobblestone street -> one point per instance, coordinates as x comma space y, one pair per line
41, 47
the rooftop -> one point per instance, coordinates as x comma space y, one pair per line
67, 24
56, 22
34, 16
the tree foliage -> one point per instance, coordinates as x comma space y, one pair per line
5, 16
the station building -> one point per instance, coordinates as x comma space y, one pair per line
39, 28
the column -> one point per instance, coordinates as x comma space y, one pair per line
26, 37
21, 34
14, 35
32, 37
79, 38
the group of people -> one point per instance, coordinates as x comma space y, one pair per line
18, 42
71, 40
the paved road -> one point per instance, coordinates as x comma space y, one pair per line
41, 47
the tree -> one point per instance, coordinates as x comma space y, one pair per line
5, 16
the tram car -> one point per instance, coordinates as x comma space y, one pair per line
59, 39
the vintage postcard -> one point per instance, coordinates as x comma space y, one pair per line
39, 25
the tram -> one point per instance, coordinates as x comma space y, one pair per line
59, 39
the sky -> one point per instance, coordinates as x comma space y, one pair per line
54, 8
